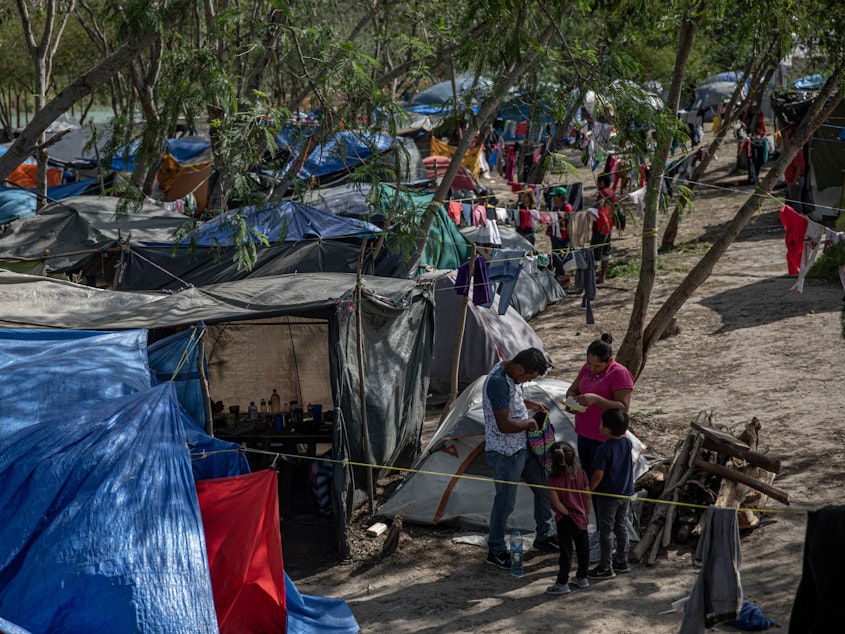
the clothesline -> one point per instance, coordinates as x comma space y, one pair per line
276, 455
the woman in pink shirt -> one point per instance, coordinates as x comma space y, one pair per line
601, 384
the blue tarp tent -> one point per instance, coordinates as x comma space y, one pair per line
102, 531
345, 151
48, 371
16, 202
289, 221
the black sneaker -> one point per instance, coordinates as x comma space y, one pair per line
601, 573
547, 544
621, 567
502, 560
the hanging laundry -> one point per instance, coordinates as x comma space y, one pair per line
717, 594
479, 216
812, 242
529, 265
501, 214
545, 218
585, 279
795, 226
488, 235
480, 283
638, 198
453, 208
504, 269
580, 228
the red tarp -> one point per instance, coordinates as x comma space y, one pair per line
241, 519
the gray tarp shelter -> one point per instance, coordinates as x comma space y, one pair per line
488, 336
293, 332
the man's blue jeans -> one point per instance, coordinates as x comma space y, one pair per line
512, 469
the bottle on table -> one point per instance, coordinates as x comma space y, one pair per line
264, 411
253, 412
516, 553
275, 403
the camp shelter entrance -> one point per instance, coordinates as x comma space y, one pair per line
397, 331
248, 360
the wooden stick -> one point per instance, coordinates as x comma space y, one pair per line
655, 548
736, 476
751, 457
670, 519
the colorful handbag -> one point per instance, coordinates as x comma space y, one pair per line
540, 442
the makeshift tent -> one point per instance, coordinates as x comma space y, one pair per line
824, 157
25, 174
488, 336
436, 166
294, 332
708, 97
825, 172
443, 92
303, 239
457, 448
533, 291
185, 170
16, 202
101, 530
88, 368
81, 229
446, 247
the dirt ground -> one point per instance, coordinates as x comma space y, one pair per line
746, 347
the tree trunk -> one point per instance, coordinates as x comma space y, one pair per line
648, 268
635, 355
82, 86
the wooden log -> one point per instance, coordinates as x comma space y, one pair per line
736, 476
670, 519
658, 518
751, 457
716, 434
655, 548
655, 527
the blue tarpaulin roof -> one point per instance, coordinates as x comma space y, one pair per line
16, 202
281, 222
48, 371
102, 531
346, 150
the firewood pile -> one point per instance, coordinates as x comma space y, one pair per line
710, 466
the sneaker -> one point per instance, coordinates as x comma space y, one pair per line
547, 544
580, 582
601, 573
558, 588
621, 567
502, 560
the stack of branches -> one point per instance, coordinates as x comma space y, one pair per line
710, 466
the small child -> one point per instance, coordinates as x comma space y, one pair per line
572, 508
613, 472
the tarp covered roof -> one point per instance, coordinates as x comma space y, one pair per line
288, 221
38, 302
342, 152
17, 202
86, 223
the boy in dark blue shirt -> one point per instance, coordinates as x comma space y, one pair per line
613, 473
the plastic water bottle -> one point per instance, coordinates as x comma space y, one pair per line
516, 552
